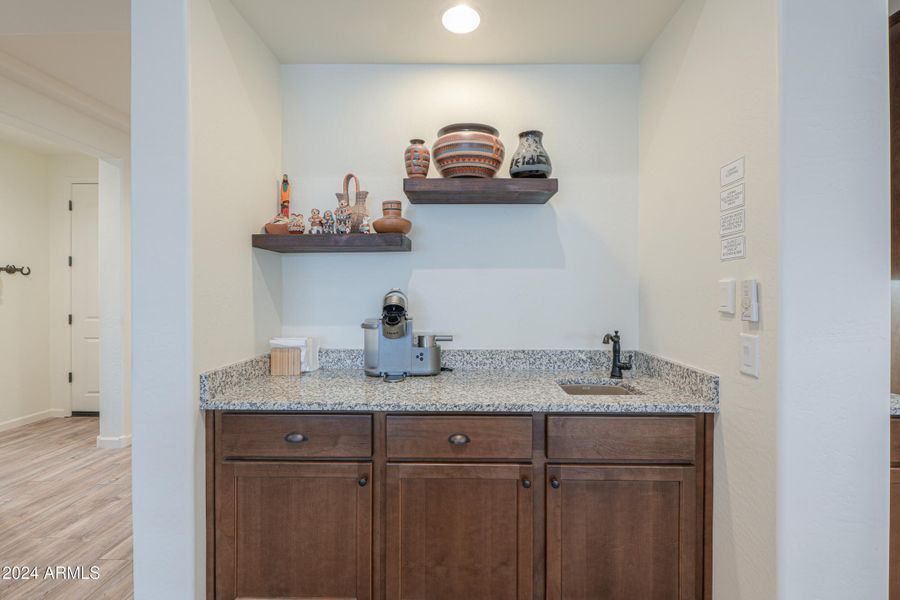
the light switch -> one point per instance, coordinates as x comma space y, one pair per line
749, 300
750, 354
726, 296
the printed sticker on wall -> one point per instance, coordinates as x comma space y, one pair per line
733, 222
732, 172
731, 198
733, 248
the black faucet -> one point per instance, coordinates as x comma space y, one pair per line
617, 364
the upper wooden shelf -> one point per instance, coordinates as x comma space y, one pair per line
479, 191
350, 242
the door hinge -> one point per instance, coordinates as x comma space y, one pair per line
70, 319
70, 376
70, 206
70, 261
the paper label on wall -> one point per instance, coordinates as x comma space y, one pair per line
733, 248
731, 198
733, 222
732, 172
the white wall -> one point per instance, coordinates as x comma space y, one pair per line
553, 276
24, 301
236, 169
708, 96
206, 114
833, 468
166, 486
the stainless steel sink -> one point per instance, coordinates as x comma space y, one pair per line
595, 389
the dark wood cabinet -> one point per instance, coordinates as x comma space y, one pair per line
482, 507
895, 535
294, 530
459, 531
621, 532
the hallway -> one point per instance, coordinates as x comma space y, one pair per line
64, 503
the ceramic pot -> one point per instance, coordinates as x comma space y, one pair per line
530, 159
468, 150
392, 222
278, 226
417, 159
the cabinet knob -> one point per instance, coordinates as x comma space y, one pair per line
554, 483
526, 483
459, 439
363, 481
295, 437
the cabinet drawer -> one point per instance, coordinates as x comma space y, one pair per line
664, 439
459, 437
296, 436
895, 440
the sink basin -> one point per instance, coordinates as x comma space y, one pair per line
595, 389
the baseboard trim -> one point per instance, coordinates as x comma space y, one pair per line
122, 441
51, 413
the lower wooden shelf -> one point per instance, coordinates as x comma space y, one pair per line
350, 242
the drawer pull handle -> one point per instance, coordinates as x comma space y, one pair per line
459, 439
295, 437
363, 481
554, 483
526, 483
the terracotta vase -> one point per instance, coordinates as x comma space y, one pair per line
417, 159
530, 159
392, 222
358, 211
468, 150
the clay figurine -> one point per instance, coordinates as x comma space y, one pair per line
328, 222
315, 222
364, 226
296, 224
343, 215
285, 197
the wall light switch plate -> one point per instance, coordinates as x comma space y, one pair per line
750, 300
750, 354
726, 296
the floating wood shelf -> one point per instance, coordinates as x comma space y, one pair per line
480, 191
351, 242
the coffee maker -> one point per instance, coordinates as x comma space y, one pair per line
392, 350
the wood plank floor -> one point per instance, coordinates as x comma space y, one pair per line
64, 503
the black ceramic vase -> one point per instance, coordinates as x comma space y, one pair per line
530, 158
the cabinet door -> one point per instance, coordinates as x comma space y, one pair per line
621, 533
294, 530
459, 531
895, 536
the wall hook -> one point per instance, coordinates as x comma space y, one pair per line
12, 270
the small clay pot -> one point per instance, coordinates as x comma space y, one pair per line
277, 226
392, 222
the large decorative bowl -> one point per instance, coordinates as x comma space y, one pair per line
468, 150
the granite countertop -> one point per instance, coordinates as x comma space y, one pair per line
895, 405
478, 383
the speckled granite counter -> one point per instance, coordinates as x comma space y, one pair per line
482, 381
895, 405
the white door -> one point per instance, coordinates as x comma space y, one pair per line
85, 299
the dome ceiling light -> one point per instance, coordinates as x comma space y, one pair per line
461, 19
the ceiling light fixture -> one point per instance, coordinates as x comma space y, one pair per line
461, 19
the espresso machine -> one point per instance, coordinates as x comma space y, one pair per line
392, 350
